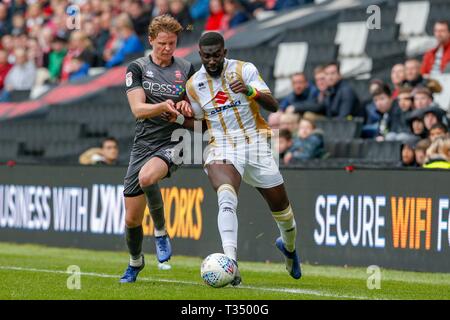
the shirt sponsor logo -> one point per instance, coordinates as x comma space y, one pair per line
158, 89
225, 107
221, 97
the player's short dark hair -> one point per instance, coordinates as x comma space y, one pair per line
110, 139
211, 39
443, 21
439, 125
286, 134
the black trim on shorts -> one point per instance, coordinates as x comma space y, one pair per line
130, 195
166, 161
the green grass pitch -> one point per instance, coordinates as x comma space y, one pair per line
38, 272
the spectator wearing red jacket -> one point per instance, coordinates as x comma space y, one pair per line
435, 61
4, 67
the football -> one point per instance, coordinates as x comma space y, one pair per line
217, 270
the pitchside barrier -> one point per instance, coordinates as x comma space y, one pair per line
391, 218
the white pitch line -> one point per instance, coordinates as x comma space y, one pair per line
281, 290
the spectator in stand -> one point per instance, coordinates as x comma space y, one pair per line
78, 69
274, 120
420, 151
34, 16
372, 116
303, 97
140, 17
320, 79
438, 130
436, 60
285, 143
79, 46
216, 15
397, 78
234, 14
5, 66
438, 154
416, 125
160, 8
103, 34
108, 154
7, 44
180, 11
289, 121
130, 42
56, 58
21, 76
308, 144
286, 4
5, 25
432, 116
408, 156
199, 9
413, 78
423, 98
341, 101
392, 126
18, 25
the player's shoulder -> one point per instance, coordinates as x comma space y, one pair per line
183, 64
137, 64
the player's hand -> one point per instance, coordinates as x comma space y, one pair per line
184, 108
170, 112
237, 86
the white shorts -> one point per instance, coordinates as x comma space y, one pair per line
254, 162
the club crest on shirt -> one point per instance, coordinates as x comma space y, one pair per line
129, 79
178, 76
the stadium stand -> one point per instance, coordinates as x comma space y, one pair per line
279, 46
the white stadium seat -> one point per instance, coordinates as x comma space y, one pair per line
412, 17
352, 39
290, 59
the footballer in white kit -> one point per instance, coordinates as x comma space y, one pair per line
227, 94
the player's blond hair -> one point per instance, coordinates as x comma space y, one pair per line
164, 23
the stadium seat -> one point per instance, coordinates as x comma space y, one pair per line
412, 17
19, 95
291, 58
9, 150
337, 129
386, 150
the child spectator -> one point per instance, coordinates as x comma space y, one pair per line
408, 156
289, 121
56, 58
284, 143
308, 145
420, 151
437, 131
438, 154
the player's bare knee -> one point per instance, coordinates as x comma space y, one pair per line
147, 179
132, 221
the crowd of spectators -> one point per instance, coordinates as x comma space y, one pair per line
55, 41
403, 110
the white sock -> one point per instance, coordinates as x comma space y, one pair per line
288, 230
227, 219
160, 233
136, 262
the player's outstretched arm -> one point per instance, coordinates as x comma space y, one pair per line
142, 110
264, 99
